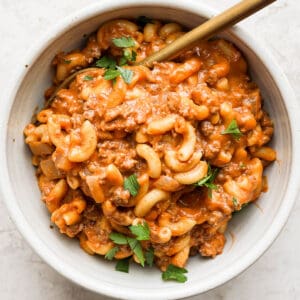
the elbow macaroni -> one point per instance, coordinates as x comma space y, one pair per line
166, 126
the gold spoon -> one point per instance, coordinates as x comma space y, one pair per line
204, 31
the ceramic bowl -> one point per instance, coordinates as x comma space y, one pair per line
254, 229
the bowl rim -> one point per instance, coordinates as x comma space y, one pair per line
44, 251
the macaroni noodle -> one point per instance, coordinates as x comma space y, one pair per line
177, 148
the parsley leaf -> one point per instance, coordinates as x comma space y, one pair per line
136, 247
174, 273
149, 255
88, 78
133, 56
123, 265
138, 251
233, 129
133, 243
111, 74
128, 55
123, 61
132, 185
67, 61
106, 62
208, 180
118, 238
113, 71
141, 231
143, 20
111, 253
126, 74
235, 203
124, 42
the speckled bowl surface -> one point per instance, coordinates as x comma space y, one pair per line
254, 229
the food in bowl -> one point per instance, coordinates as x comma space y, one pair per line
150, 164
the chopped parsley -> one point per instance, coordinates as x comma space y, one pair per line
110, 64
141, 231
124, 42
132, 185
128, 55
174, 273
118, 238
123, 265
149, 256
136, 247
233, 129
235, 203
126, 74
88, 78
106, 62
111, 74
133, 56
208, 180
111, 253
123, 61
67, 61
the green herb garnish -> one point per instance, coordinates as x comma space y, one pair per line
123, 61
208, 180
233, 129
128, 55
141, 231
136, 247
133, 243
111, 74
88, 78
124, 42
174, 273
113, 71
126, 74
67, 61
118, 238
123, 265
133, 56
143, 20
111, 253
106, 62
235, 203
149, 255
132, 185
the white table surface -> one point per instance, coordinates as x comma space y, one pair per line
23, 275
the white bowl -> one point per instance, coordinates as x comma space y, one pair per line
254, 230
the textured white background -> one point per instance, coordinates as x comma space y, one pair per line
23, 275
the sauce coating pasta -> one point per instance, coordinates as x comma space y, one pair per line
192, 131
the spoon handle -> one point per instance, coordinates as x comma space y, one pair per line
204, 31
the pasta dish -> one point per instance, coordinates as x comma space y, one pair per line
149, 165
